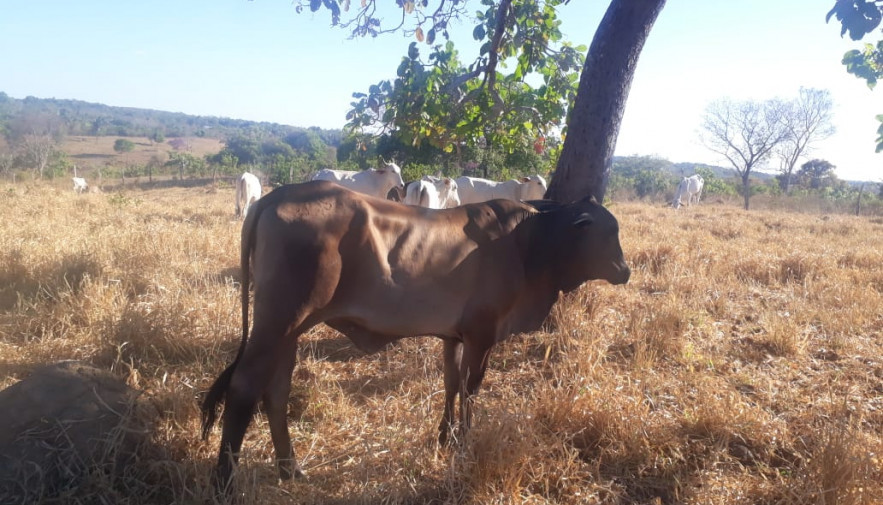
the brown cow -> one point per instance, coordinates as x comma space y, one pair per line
378, 271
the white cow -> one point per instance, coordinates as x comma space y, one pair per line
688, 187
80, 185
448, 193
423, 194
475, 190
248, 190
370, 182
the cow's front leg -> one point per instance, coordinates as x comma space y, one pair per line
453, 354
472, 368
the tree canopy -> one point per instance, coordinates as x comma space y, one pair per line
437, 99
524, 31
817, 173
859, 18
123, 145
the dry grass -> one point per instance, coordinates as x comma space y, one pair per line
742, 364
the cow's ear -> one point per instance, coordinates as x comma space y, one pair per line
589, 198
583, 220
544, 205
447, 181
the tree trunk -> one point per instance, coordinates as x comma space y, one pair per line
746, 188
858, 204
584, 165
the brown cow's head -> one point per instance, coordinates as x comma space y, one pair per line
585, 244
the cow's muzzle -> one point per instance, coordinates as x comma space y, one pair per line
621, 276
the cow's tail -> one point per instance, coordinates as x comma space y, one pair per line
218, 390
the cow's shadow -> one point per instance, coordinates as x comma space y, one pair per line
333, 347
424, 493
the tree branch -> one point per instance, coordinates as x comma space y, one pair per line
494, 53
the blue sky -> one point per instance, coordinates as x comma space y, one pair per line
260, 60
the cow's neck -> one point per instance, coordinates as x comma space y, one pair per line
532, 306
542, 286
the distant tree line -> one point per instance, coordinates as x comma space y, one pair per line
32, 130
75, 117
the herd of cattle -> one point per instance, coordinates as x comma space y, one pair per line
432, 192
436, 192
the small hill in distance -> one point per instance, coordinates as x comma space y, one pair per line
76, 117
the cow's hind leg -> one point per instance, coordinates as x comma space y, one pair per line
276, 407
262, 357
453, 354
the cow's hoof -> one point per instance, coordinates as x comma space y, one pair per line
286, 472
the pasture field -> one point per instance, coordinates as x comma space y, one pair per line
743, 363
92, 152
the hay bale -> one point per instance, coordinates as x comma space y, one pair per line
66, 426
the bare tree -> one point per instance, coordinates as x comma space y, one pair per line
7, 161
745, 133
807, 120
37, 149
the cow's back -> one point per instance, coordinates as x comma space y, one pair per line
327, 174
475, 189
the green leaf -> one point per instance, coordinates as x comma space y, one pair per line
478, 33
